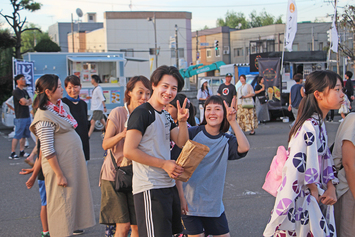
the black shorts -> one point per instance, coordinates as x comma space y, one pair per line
158, 212
195, 225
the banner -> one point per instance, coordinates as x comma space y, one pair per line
269, 69
334, 33
27, 69
291, 24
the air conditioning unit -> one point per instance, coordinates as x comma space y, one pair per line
225, 51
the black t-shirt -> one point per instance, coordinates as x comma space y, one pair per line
21, 111
227, 92
80, 112
258, 87
349, 89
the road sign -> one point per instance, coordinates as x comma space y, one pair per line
204, 44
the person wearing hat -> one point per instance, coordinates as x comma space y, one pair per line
226, 90
202, 95
22, 101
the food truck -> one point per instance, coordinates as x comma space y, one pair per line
109, 66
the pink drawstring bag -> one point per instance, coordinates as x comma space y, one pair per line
273, 178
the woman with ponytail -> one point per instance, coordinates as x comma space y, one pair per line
69, 201
305, 199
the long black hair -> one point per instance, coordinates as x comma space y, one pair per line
181, 98
320, 81
47, 81
215, 99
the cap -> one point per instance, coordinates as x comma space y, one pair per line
229, 75
203, 81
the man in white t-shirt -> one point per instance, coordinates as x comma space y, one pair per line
97, 104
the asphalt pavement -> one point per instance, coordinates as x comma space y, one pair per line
247, 205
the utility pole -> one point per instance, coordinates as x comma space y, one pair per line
336, 27
155, 39
72, 31
197, 54
176, 47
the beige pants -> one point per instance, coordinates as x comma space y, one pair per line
344, 212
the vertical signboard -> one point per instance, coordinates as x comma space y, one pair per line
27, 69
269, 69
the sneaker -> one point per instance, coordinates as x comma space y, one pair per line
341, 120
27, 144
78, 232
24, 154
13, 156
45, 235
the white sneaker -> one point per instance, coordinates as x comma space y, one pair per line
341, 120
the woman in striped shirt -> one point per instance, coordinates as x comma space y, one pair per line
69, 200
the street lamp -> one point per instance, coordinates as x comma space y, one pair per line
155, 38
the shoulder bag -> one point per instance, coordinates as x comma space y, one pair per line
123, 177
247, 103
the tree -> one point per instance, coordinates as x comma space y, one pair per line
238, 20
6, 48
17, 24
263, 19
47, 45
31, 38
233, 20
347, 21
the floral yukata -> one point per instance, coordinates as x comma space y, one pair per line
296, 212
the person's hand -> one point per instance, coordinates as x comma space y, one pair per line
184, 206
352, 97
26, 171
315, 194
123, 133
173, 169
262, 87
62, 181
231, 112
105, 110
30, 182
183, 112
289, 108
329, 196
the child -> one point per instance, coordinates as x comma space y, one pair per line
303, 205
147, 143
201, 199
344, 160
345, 107
296, 95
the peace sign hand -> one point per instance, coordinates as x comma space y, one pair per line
183, 112
231, 112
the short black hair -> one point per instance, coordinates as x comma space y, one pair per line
73, 80
96, 78
297, 77
349, 74
19, 76
167, 70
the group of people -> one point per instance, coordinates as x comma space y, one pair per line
149, 132
246, 101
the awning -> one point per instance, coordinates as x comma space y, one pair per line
96, 59
137, 59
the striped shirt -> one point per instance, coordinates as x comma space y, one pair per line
45, 133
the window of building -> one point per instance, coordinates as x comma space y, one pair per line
309, 46
238, 52
247, 51
91, 18
320, 45
218, 52
181, 53
208, 53
294, 47
129, 53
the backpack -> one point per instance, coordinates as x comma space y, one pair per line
273, 178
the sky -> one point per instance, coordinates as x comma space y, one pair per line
203, 12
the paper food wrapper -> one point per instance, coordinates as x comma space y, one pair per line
190, 157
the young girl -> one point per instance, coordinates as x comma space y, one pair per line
202, 94
304, 203
345, 107
201, 199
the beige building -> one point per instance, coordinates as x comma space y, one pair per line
79, 42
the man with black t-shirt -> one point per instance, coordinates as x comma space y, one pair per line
227, 90
22, 122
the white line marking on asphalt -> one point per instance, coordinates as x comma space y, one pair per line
16, 163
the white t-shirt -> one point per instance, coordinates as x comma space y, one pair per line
97, 98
